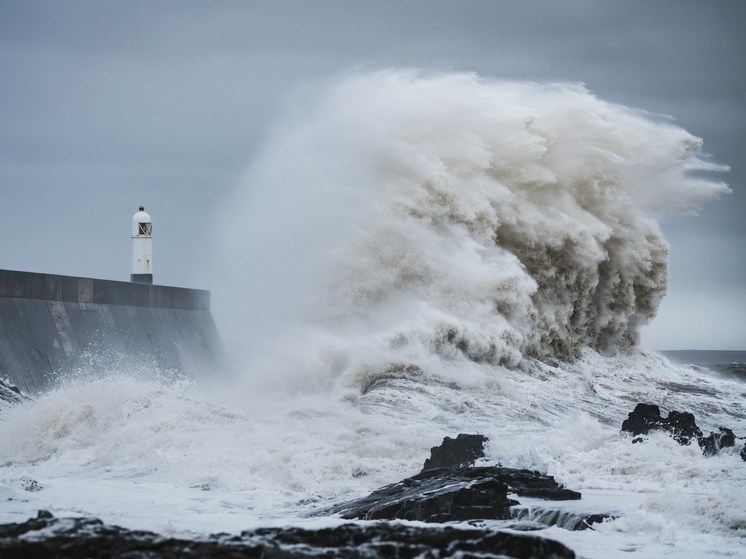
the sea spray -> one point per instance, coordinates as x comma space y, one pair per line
401, 217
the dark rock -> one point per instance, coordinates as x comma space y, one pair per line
67, 538
682, 426
527, 483
444, 494
436, 495
743, 453
715, 441
462, 451
647, 417
644, 418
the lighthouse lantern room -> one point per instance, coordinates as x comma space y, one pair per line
142, 247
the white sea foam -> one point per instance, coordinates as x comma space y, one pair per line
421, 255
184, 459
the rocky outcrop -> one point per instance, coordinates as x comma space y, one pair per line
436, 495
647, 417
450, 488
682, 426
47, 537
445, 494
464, 450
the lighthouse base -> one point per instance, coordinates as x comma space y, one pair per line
142, 278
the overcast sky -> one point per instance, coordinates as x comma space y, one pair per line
108, 105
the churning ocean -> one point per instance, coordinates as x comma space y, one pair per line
418, 256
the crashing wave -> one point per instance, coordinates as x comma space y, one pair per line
462, 218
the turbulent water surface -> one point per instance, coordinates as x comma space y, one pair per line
421, 255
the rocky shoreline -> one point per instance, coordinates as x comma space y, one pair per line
450, 488
46, 537
681, 426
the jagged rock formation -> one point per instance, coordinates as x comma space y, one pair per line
682, 426
444, 494
449, 488
464, 450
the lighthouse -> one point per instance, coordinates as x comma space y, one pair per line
142, 247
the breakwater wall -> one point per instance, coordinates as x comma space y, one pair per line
54, 327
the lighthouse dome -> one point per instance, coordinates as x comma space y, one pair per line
141, 216
141, 224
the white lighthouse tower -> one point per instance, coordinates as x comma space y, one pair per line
142, 248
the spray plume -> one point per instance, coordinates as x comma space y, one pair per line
399, 217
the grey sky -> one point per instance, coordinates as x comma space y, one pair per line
108, 105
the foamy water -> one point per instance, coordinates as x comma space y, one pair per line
418, 256
191, 460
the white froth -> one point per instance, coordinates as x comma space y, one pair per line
184, 459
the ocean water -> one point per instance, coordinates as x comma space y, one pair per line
413, 256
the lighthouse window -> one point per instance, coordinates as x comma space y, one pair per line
145, 228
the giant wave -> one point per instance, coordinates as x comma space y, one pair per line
405, 216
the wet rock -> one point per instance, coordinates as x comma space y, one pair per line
711, 444
527, 483
48, 537
437, 495
647, 417
446, 494
644, 418
464, 450
682, 426
449, 488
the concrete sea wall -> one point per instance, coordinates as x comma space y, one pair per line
55, 327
